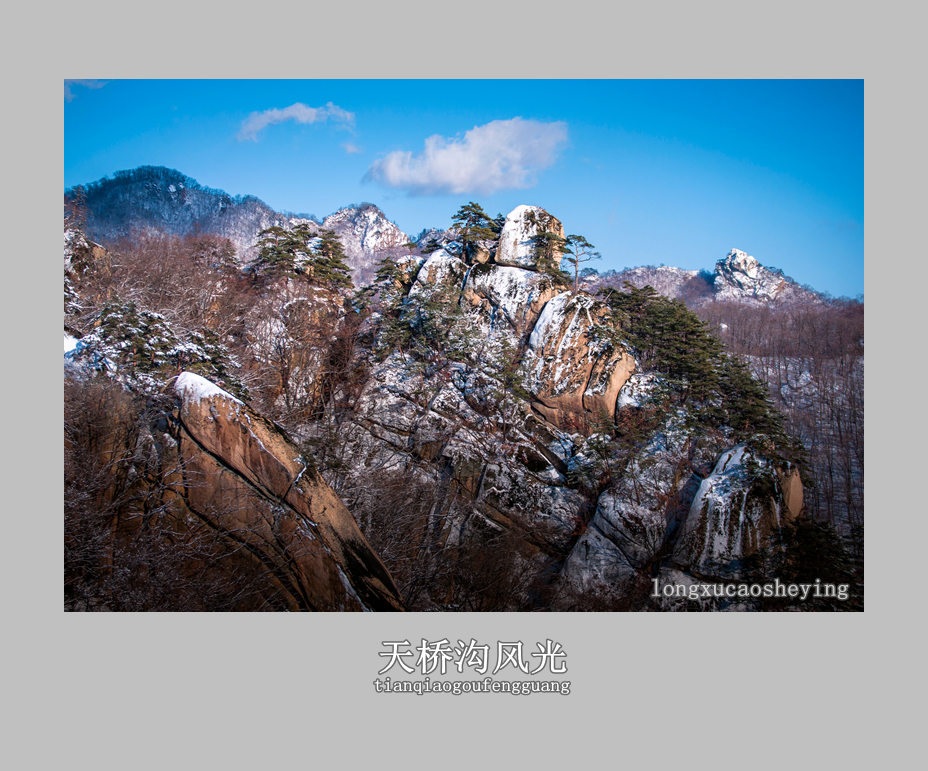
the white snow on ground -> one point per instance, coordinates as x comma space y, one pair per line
191, 386
70, 343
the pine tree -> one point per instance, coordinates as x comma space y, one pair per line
390, 284
577, 250
472, 224
549, 248
328, 262
277, 248
716, 388
300, 250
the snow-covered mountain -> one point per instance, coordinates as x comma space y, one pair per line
738, 277
155, 199
502, 441
367, 236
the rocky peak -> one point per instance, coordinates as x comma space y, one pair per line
437, 235
516, 242
740, 277
364, 229
742, 262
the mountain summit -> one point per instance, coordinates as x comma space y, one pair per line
740, 277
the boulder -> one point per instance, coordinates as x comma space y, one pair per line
441, 270
479, 252
516, 246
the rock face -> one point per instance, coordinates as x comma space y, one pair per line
572, 371
791, 488
494, 463
512, 294
661, 518
633, 520
79, 252
244, 478
737, 510
440, 270
479, 252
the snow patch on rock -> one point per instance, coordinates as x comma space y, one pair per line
638, 390
191, 386
440, 269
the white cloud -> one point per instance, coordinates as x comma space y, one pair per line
70, 84
351, 148
298, 112
499, 155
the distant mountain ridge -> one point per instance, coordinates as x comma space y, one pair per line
738, 277
156, 199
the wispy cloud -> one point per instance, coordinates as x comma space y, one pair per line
351, 148
255, 123
70, 85
499, 155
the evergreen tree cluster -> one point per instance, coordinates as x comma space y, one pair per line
303, 250
430, 327
696, 372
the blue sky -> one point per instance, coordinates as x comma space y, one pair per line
651, 172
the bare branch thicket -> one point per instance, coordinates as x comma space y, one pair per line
812, 357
